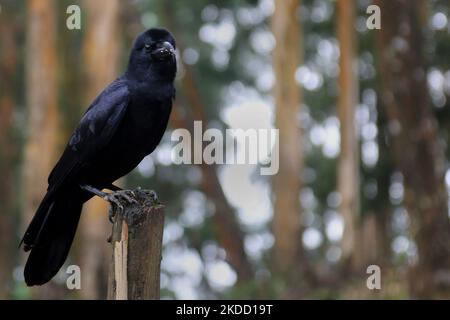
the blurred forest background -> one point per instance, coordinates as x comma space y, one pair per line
364, 119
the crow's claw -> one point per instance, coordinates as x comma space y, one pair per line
111, 214
153, 197
116, 199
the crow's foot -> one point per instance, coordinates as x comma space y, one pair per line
154, 201
116, 199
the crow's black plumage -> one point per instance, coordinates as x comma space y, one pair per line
124, 124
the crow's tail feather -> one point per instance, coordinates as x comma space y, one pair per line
50, 234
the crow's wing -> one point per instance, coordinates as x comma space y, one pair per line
94, 132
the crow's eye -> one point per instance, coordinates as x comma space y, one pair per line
147, 47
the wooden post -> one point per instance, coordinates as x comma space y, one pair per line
137, 244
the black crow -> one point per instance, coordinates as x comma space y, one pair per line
124, 124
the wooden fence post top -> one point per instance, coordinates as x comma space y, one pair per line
137, 247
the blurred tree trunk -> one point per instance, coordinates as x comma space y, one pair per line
418, 154
382, 204
348, 168
225, 215
101, 53
8, 70
287, 228
42, 121
42, 111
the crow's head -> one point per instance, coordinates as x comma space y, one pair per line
154, 52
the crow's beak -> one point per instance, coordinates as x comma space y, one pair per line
163, 51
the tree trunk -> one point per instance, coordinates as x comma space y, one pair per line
417, 152
286, 183
382, 204
101, 49
42, 111
8, 69
42, 121
348, 168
